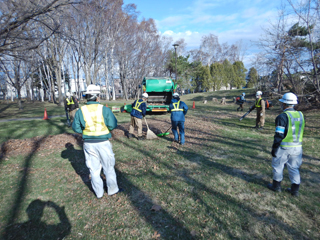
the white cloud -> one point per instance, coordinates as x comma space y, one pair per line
192, 39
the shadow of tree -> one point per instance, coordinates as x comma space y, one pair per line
23, 181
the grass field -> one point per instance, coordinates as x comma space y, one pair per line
213, 187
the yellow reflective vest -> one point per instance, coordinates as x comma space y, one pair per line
258, 103
176, 107
70, 102
93, 117
137, 105
296, 125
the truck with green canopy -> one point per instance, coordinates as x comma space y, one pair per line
160, 91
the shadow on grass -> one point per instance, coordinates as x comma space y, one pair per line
34, 228
77, 161
247, 214
162, 221
5, 108
244, 211
22, 190
145, 211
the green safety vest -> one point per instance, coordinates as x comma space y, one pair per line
258, 103
70, 102
295, 129
93, 117
137, 105
176, 107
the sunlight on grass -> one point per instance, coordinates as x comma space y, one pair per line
214, 187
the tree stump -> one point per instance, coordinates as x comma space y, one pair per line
234, 99
205, 101
214, 100
223, 101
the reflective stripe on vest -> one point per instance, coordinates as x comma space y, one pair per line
258, 103
176, 107
137, 105
93, 117
70, 102
294, 137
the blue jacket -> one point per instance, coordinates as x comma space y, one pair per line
178, 116
142, 108
79, 124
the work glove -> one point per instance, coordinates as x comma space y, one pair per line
261, 114
273, 152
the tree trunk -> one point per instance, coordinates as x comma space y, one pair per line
124, 87
59, 83
19, 98
107, 78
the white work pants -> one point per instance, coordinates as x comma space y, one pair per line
292, 157
101, 155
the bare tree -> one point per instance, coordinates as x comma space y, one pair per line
21, 20
17, 71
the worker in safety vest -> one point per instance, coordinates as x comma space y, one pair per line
241, 101
178, 110
95, 122
287, 144
260, 105
139, 110
71, 105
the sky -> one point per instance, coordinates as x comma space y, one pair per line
230, 20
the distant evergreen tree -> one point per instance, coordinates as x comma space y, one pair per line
240, 74
252, 77
229, 74
217, 74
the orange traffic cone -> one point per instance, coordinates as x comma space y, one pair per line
45, 117
124, 109
106, 105
193, 106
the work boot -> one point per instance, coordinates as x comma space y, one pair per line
275, 186
130, 135
294, 190
140, 138
256, 126
241, 109
260, 128
238, 109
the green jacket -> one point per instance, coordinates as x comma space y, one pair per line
79, 124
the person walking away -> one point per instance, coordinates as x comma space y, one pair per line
260, 105
241, 102
139, 110
287, 145
178, 110
71, 105
95, 122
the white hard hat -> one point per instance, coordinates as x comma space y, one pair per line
92, 89
289, 98
243, 94
175, 95
145, 95
259, 93
68, 94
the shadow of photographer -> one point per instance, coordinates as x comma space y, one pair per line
35, 229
